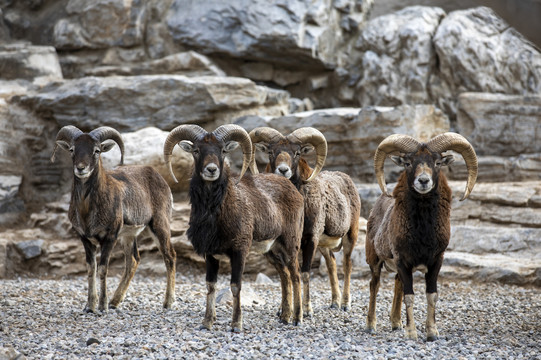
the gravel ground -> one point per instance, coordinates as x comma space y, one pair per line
44, 319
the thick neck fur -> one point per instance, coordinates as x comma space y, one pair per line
206, 199
422, 213
83, 188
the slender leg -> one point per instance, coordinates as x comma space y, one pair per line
330, 261
162, 233
90, 253
131, 261
431, 279
348, 244
374, 288
103, 267
406, 277
285, 282
237, 268
308, 251
213, 266
295, 279
396, 321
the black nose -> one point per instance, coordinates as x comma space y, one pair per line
211, 170
80, 167
283, 169
424, 181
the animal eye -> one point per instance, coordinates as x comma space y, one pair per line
407, 164
195, 151
297, 154
97, 151
438, 163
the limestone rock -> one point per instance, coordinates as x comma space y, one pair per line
30, 249
26, 142
100, 24
353, 134
131, 103
299, 32
498, 124
38, 64
187, 63
479, 52
397, 57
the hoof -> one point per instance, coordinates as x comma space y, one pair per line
308, 314
396, 328
283, 321
370, 331
236, 330
297, 322
113, 307
89, 310
346, 307
432, 338
205, 327
335, 306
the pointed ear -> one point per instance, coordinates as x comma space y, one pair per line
262, 147
230, 146
64, 145
186, 145
107, 145
398, 160
305, 149
447, 160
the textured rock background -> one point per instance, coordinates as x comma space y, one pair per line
146, 66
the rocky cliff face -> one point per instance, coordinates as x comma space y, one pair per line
144, 67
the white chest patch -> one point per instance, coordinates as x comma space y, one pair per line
262, 247
329, 242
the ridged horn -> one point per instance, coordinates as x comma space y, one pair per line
232, 132
68, 134
182, 132
392, 143
263, 135
458, 143
104, 133
310, 135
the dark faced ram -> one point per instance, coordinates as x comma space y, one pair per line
232, 214
410, 230
117, 204
331, 204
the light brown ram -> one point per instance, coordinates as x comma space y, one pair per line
410, 230
331, 204
117, 204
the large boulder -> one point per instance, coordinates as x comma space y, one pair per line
397, 57
298, 32
478, 51
131, 103
353, 134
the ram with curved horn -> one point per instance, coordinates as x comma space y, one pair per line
410, 229
331, 204
118, 204
232, 214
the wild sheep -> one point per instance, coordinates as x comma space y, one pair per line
121, 203
231, 214
410, 230
331, 204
